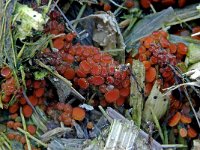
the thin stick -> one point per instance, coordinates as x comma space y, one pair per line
188, 97
59, 35
173, 146
24, 126
196, 34
153, 9
67, 21
76, 93
112, 50
41, 64
32, 137
54, 5
13, 49
105, 114
183, 21
28, 101
120, 6
80, 14
186, 93
1, 104
168, 90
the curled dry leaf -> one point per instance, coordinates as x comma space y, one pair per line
107, 34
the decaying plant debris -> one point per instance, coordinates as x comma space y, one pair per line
99, 74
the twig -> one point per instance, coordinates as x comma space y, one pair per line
152, 8
67, 21
173, 146
71, 100
36, 120
76, 93
1, 104
177, 71
54, 5
120, 6
196, 34
41, 64
179, 85
183, 21
13, 50
37, 115
80, 14
188, 97
91, 98
112, 50
32, 137
28, 101
24, 126
58, 35
117, 10
105, 114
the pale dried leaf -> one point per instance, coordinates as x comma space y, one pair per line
157, 102
107, 34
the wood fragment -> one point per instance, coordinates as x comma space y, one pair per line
143, 137
53, 133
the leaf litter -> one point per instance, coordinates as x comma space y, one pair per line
60, 92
